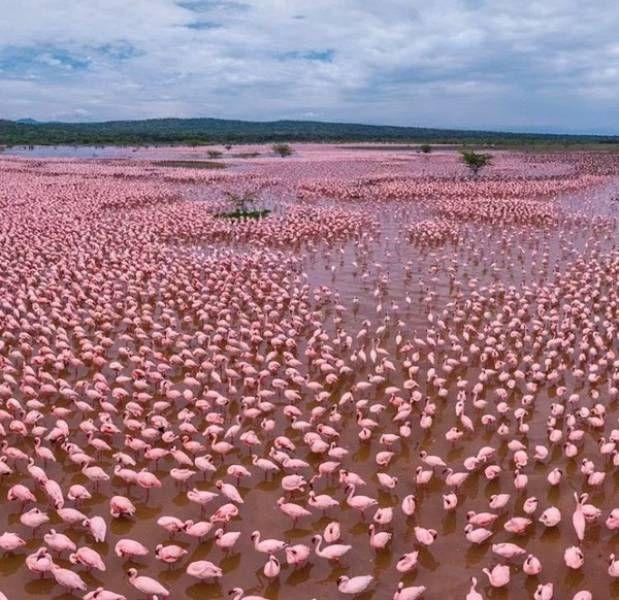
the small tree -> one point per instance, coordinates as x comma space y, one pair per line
282, 149
425, 148
214, 154
475, 161
240, 201
228, 147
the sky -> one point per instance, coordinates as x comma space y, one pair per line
517, 65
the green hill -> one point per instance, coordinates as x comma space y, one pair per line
211, 131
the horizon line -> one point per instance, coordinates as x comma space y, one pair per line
520, 131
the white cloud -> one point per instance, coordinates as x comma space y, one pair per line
468, 63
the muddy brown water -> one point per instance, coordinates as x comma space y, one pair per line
444, 568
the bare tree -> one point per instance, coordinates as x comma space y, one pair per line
240, 201
282, 149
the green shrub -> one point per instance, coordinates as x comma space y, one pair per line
475, 161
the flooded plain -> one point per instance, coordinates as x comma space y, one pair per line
381, 302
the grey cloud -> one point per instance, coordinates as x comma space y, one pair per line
467, 63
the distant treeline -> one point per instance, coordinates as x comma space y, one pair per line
224, 131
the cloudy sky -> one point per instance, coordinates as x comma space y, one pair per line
493, 64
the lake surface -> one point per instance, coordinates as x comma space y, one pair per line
383, 279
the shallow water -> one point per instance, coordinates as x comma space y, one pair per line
69, 151
385, 261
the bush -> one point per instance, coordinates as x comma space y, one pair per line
240, 201
425, 148
475, 161
214, 154
282, 149
240, 215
